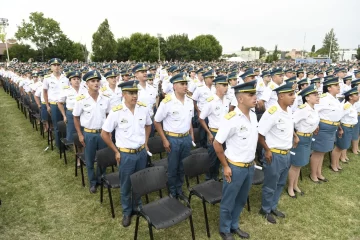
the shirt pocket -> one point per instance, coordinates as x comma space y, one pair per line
124, 128
243, 133
175, 114
281, 126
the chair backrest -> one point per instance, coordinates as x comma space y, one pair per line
196, 136
61, 129
34, 108
148, 180
76, 140
196, 164
155, 145
105, 157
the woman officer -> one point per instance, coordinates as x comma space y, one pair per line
306, 121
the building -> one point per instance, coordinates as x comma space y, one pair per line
347, 54
293, 54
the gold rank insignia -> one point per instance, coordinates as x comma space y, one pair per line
167, 98
141, 104
272, 109
347, 106
323, 95
261, 84
230, 115
117, 108
302, 106
209, 99
103, 89
272, 86
66, 87
80, 97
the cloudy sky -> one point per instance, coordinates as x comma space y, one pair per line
234, 23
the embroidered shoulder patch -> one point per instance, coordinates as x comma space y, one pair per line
141, 104
66, 87
103, 89
166, 99
302, 106
347, 106
46, 76
230, 115
80, 97
272, 109
209, 99
117, 108
272, 86
323, 95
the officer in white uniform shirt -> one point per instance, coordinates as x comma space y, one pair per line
216, 108
276, 135
199, 82
238, 129
132, 123
317, 83
341, 74
200, 95
175, 112
247, 76
269, 97
90, 113
166, 84
68, 97
52, 86
111, 90
232, 79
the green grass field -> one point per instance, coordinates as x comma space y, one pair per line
42, 199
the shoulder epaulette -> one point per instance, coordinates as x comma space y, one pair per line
106, 95
271, 86
103, 89
117, 108
46, 76
200, 85
66, 87
347, 106
141, 104
302, 106
80, 97
272, 109
209, 99
166, 99
323, 95
230, 115
261, 84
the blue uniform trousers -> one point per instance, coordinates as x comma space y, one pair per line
234, 196
70, 127
275, 176
93, 142
215, 162
129, 164
180, 149
56, 116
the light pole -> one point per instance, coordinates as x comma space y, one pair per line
159, 36
4, 22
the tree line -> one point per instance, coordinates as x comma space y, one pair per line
50, 41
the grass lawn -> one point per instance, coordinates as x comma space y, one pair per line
42, 199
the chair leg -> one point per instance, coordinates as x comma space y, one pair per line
151, 232
82, 173
147, 199
300, 175
206, 219
60, 150
111, 203
136, 227
76, 171
112, 168
248, 203
101, 192
192, 227
65, 155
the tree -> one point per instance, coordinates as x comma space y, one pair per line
273, 57
143, 47
103, 44
64, 48
313, 48
23, 52
358, 54
40, 31
330, 42
178, 47
205, 47
123, 49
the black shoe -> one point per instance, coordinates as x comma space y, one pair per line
301, 193
126, 221
240, 233
318, 182
227, 236
278, 213
323, 179
290, 195
92, 189
268, 216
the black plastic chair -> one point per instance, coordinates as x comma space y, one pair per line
197, 143
258, 179
35, 116
209, 191
164, 212
106, 158
79, 156
64, 143
156, 146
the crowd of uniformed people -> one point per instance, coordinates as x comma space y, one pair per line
293, 113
